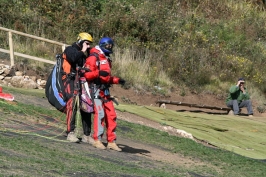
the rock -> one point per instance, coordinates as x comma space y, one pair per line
3, 82
9, 76
163, 106
231, 112
6, 71
18, 73
43, 83
8, 79
23, 82
34, 78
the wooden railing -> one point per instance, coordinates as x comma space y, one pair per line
11, 48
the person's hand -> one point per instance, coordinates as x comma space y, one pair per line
85, 46
241, 87
103, 73
238, 83
121, 81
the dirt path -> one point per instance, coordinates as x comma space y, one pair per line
131, 148
134, 149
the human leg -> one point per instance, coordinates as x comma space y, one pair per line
98, 124
234, 105
111, 126
86, 124
110, 121
71, 114
248, 104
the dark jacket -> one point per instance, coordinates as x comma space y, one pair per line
75, 56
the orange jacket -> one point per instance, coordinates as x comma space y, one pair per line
104, 64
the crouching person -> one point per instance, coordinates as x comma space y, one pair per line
238, 97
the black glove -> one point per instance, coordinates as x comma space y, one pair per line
103, 73
121, 81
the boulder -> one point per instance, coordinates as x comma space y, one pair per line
23, 82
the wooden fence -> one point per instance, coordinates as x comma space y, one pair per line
11, 48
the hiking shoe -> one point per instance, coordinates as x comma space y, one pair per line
72, 137
87, 139
113, 146
98, 144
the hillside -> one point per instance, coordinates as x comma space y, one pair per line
132, 96
199, 46
34, 136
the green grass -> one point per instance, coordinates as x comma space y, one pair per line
229, 163
31, 92
34, 157
237, 134
45, 152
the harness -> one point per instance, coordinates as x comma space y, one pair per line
99, 86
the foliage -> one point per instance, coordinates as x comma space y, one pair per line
188, 41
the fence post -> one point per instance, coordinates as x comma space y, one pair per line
63, 47
11, 48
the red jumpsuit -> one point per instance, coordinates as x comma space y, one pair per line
104, 111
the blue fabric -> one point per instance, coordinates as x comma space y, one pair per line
55, 90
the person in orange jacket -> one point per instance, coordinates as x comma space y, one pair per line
99, 63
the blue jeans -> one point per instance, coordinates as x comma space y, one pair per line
235, 106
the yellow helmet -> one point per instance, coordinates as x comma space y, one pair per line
85, 37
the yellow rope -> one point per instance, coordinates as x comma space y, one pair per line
36, 128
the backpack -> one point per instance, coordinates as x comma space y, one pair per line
59, 88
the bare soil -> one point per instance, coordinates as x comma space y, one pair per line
148, 151
132, 96
130, 148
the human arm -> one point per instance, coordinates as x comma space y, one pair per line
233, 89
243, 91
238, 93
91, 64
245, 94
73, 55
117, 80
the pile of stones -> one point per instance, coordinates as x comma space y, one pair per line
10, 77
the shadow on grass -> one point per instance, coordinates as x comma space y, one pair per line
131, 150
201, 111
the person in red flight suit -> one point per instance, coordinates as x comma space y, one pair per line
99, 63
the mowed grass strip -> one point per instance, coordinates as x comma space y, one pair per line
237, 134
